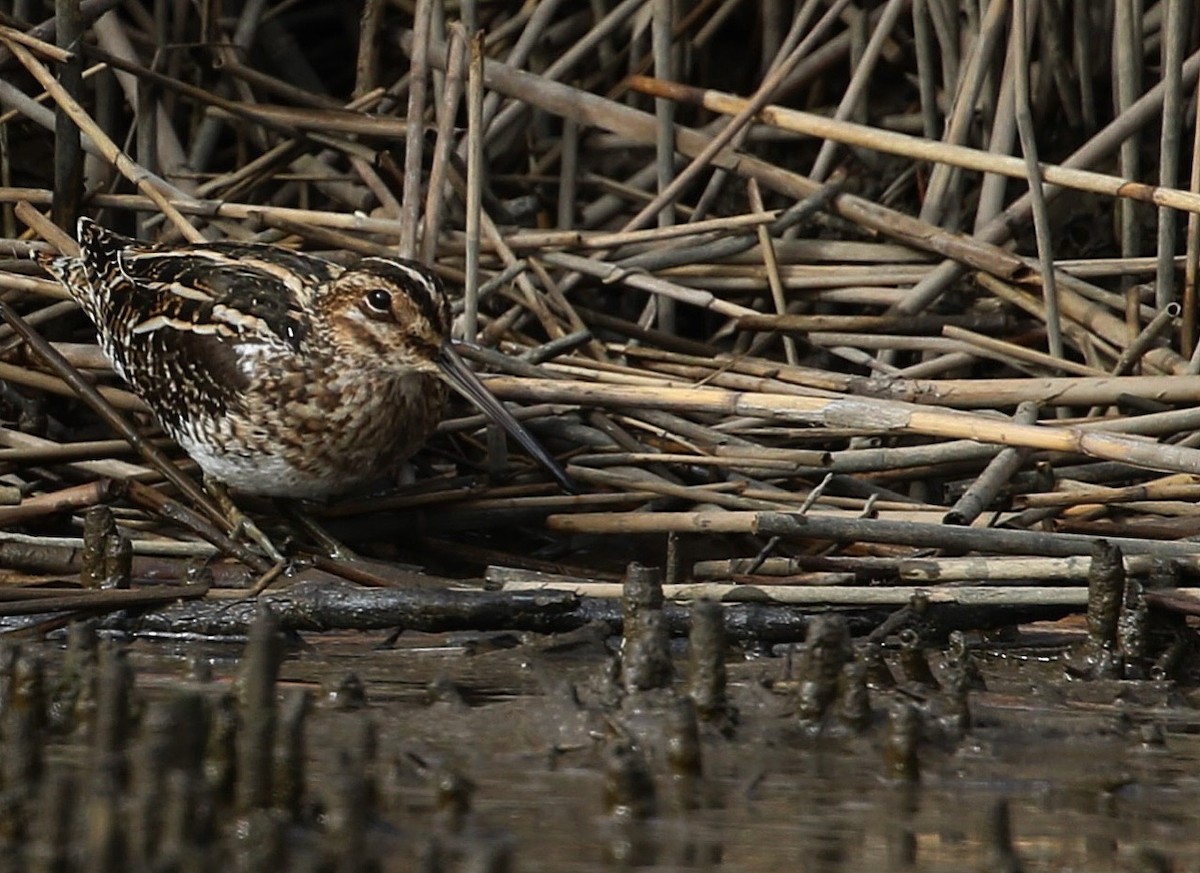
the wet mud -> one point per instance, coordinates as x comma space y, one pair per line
592, 750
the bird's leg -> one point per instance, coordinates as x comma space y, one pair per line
240, 522
325, 541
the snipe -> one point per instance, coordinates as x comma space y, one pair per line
281, 373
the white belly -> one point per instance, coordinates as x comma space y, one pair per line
266, 475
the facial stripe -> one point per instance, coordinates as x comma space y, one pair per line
422, 284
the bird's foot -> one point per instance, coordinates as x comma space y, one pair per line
241, 524
324, 540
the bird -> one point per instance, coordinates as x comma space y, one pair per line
280, 373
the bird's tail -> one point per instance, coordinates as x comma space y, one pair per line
67, 270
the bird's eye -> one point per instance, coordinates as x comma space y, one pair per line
379, 301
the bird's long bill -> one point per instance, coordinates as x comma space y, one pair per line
466, 383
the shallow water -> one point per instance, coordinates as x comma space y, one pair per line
1096, 772
495, 749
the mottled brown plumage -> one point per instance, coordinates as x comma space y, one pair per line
280, 373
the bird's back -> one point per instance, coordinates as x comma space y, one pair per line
149, 302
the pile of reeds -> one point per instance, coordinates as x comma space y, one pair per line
904, 277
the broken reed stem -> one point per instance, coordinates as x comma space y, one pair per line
1013, 352
68, 145
435, 195
524, 240
874, 415
1013, 569
829, 595
771, 262
410, 202
766, 89
1028, 136
954, 393
70, 499
662, 12
1191, 273
59, 54
1127, 84
904, 145
28, 449
1175, 32
645, 282
859, 80
804, 528
995, 476
104, 601
944, 186
589, 109
1145, 338
143, 180
1001, 228
366, 69
117, 397
475, 170
1170, 489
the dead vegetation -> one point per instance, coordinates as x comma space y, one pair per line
801, 292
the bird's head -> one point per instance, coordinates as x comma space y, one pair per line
395, 312
390, 311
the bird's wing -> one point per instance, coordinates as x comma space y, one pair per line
243, 293
204, 317
214, 316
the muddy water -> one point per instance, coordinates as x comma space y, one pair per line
502, 746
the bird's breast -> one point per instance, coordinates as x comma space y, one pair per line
306, 433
